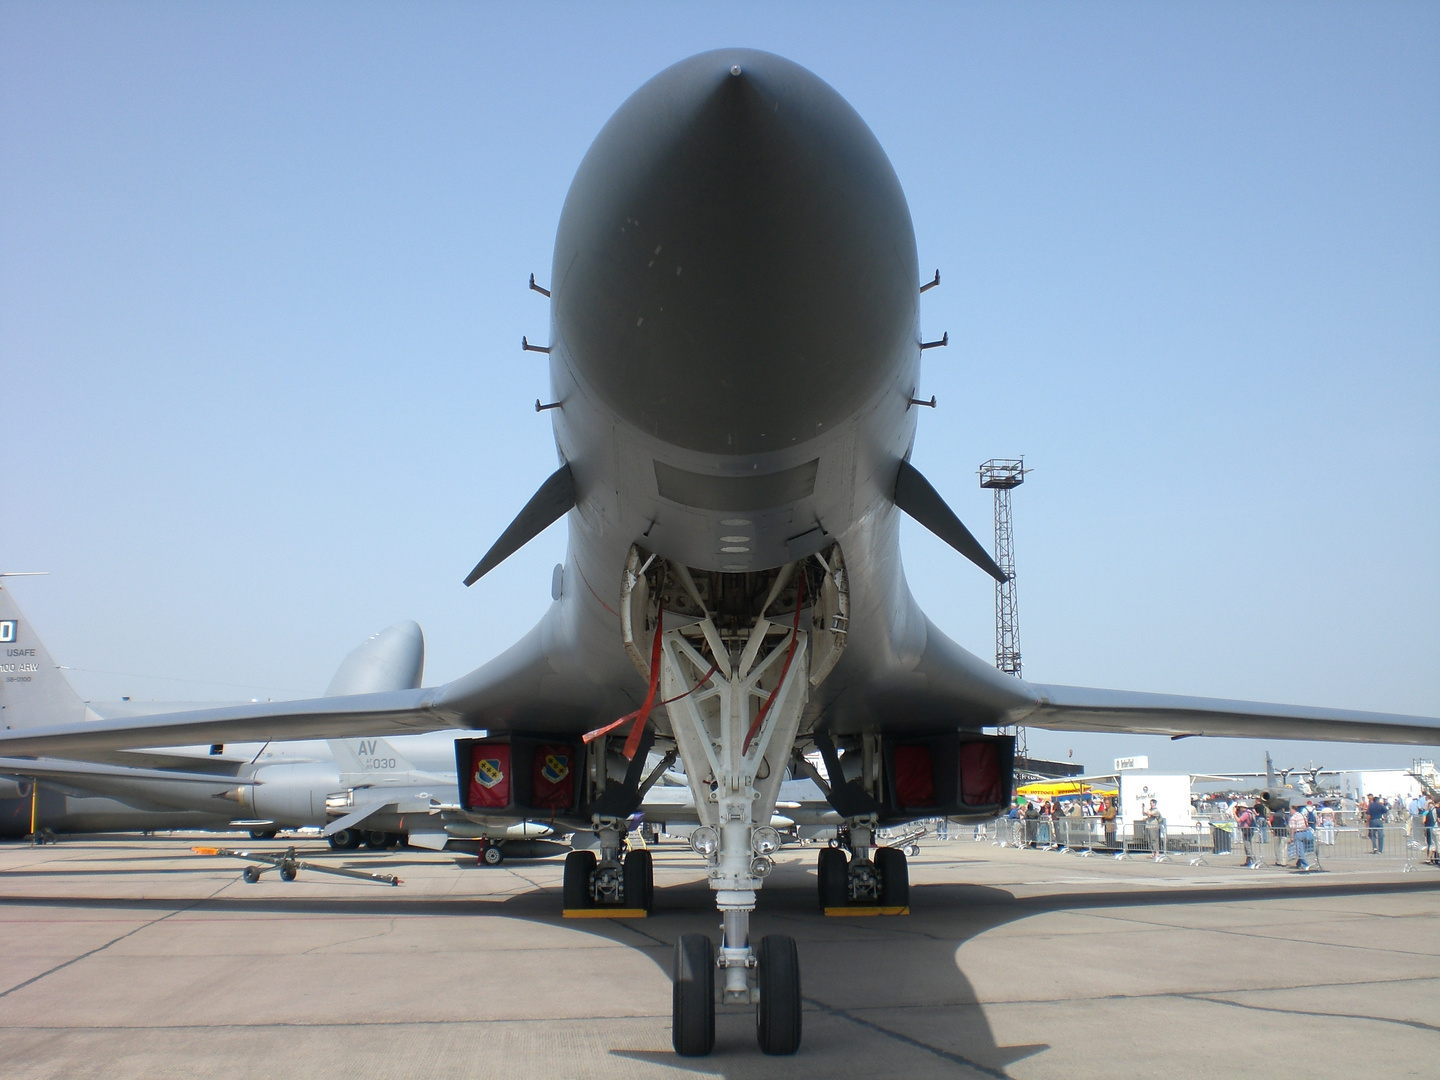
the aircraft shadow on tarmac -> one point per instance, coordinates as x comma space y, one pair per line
863, 978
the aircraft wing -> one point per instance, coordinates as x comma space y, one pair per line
77, 772
395, 712
1080, 708
519, 690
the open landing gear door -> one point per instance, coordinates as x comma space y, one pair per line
949, 775
520, 776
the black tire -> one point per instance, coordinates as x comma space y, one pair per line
777, 1017
377, 840
287, 873
492, 855
834, 874
639, 880
394, 839
345, 840
894, 877
251, 875
262, 834
579, 865
692, 1009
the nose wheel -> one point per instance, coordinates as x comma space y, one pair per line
776, 994
692, 1011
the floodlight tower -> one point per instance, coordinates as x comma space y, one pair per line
1004, 475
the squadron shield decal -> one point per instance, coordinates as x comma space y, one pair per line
552, 780
490, 775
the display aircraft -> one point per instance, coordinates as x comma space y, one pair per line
735, 369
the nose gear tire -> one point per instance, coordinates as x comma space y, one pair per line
692, 1013
777, 1016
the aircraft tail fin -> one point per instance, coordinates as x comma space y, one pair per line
368, 760
393, 659
34, 692
1271, 781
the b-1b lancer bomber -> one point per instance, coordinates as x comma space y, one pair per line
735, 357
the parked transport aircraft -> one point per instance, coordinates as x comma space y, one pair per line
735, 357
384, 786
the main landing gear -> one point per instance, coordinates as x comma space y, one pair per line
874, 878
610, 880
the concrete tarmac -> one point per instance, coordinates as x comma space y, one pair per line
135, 958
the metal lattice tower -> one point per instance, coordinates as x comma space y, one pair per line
1004, 475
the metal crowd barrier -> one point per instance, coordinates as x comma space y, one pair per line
1207, 843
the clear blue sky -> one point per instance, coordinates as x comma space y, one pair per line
262, 287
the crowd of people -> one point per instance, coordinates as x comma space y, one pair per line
1301, 829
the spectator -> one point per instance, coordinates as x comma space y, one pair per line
1280, 830
1375, 812
1301, 837
1107, 820
1245, 819
1327, 825
1431, 820
1154, 829
1262, 817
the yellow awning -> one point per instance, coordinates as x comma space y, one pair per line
1049, 789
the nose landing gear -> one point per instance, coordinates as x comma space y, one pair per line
734, 716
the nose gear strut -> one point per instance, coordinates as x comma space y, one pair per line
734, 716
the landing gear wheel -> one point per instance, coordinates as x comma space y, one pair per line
692, 1010
894, 877
777, 1017
834, 873
251, 875
262, 834
579, 865
287, 873
492, 855
639, 880
377, 840
345, 840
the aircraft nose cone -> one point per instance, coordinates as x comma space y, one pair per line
735, 264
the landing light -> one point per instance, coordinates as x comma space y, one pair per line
704, 841
764, 841
760, 866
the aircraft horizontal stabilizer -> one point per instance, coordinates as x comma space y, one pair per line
915, 495
553, 501
1080, 708
351, 820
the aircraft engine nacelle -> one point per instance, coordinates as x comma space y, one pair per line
292, 794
